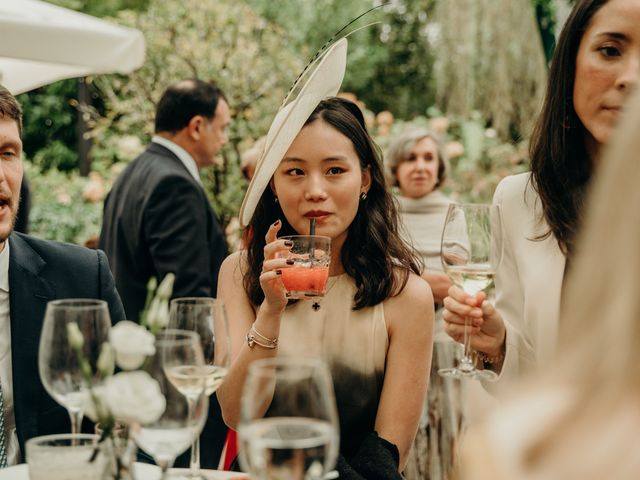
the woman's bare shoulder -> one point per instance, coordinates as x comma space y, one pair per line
232, 270
413, 300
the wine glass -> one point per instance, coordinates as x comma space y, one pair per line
182, 420
207, 317
58, 361
471, 250
288, 420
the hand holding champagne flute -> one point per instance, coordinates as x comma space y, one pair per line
471, 250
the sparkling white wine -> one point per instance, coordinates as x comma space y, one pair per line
472, 278
191, 379
295, 448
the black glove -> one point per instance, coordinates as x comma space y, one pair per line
376, 459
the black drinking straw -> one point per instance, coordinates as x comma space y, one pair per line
312, 231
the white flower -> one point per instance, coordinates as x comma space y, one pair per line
107, 360
133, 397
89, 407
158, 314
166, 286
76, 340
132, 344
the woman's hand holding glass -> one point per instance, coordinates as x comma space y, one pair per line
487, 330
275, 299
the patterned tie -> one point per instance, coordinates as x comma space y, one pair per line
3, 441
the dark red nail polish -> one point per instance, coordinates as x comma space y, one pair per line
290, 261
288, 243
278, 272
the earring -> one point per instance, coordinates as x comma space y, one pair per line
363, 196
275, 199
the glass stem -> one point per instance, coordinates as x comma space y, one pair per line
194, 464
195, 457
164, 466
466, 363
76, 417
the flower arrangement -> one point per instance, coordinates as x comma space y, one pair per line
131, 396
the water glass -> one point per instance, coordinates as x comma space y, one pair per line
288, 420
65, 457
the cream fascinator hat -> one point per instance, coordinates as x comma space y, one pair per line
322, 79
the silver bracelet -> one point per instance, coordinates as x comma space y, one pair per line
254, 337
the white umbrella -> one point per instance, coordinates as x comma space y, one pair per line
43, 43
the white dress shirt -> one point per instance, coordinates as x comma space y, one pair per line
6, 375
186, 159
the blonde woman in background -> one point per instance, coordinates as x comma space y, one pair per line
579, 419
417, 165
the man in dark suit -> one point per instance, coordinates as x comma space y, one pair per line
157, 217
32, 272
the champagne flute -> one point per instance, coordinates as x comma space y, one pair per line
288, 420
207, 317
471, 250
183, 419
58, 361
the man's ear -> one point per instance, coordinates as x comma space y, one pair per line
194, 127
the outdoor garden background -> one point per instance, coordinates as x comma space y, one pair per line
473, 70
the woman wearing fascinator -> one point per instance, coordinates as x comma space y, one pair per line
373, 326
578, 417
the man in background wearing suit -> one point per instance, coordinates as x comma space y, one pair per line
157, 217
32, 272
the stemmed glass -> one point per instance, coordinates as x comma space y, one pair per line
58, 360
182, 420
471, 250
206, 317
288, 420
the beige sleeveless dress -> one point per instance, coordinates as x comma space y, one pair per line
354, 343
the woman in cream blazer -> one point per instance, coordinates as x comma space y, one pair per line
529, 278
595, 64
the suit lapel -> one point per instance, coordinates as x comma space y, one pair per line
28, 297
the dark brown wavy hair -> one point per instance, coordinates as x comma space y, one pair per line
560, 165
373, 253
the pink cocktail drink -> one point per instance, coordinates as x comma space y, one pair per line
311, 257
305, 281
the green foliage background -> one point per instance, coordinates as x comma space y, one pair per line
254, 49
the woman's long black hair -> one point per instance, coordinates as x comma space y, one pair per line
560, 164
373, 254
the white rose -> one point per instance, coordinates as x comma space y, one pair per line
132, 344
134, 397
